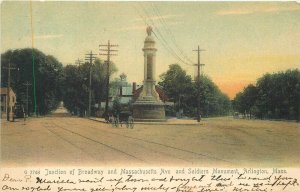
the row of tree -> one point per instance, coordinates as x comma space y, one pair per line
70, 84
54, 83
275, 96
76, 86
183, 91
48, 78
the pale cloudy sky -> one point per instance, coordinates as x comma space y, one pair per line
244, 40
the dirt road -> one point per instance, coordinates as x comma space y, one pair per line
62, 140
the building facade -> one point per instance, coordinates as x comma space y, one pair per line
5, 106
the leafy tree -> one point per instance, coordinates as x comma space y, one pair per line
177, 84
76, 86
212, 101
180, 88
48, 75
275, 96
245, 101
278, 95
75, 90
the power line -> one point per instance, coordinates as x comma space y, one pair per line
161, 38
108, 53
147, 23
142, 17
167, 29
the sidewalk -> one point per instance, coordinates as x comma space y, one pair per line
172, 121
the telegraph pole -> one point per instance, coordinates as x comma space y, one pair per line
198, 82
8, 90
90, 57
108, 53
78, 62
27, 84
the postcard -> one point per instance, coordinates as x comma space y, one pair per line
171, 96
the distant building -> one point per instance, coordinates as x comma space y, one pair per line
4, 102
127, 93
124, 94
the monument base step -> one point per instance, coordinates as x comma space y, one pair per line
150, 120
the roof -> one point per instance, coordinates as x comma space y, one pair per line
158, 89
3, 90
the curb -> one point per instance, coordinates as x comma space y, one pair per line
152, 123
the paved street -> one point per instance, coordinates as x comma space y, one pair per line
62, 140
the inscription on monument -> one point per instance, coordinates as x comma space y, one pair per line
149, 66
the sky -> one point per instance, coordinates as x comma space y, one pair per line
242, 40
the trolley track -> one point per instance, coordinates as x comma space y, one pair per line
167, 146
87, 138
59, 136
146, 148
163, 145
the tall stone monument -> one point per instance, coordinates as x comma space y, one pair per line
148, 106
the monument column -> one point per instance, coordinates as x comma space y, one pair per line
148, 106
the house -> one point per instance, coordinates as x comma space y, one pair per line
124, 95
163, 97
127, 93
5, 106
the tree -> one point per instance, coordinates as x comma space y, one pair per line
76, 86
212, 101
48, 75
175, 81
180, 88
75, 90
278, 95
177, 85
275, 96
245, 101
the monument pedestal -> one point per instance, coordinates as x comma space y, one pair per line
143, 111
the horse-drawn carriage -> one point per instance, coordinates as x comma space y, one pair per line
124, 117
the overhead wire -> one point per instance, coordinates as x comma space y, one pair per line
170, 34
161, 38
166, 44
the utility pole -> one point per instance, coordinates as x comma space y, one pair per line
90, 57
198, 82
78, 62
108, 53
8, 90
27, 84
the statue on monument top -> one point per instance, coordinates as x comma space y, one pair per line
149, 30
